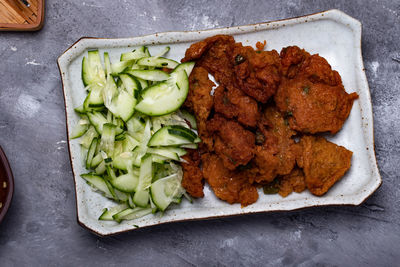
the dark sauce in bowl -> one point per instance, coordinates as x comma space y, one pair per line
6, 184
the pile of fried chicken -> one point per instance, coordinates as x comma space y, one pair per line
258, 128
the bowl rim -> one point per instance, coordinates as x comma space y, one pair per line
10, 183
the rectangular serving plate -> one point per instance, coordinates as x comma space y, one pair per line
332, 34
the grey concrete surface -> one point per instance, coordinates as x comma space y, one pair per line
41, 229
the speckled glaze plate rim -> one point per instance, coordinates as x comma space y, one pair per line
5, 165
170, 37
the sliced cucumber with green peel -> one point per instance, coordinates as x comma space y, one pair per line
108, 138
130, 214
172, 136
98, 183
164, 191
86, 139
150, 75
90, 154
165, 97
126, 183
97, 120
131, 84
96, 161
108, 213
119, 67
173, 153
135, 54
133, 156
189, 118
158, 62
80, 128
92, 69
141, 197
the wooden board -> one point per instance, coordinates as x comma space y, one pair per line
16, 16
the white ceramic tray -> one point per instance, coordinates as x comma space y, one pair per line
333, 34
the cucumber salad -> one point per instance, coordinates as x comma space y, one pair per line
133, 133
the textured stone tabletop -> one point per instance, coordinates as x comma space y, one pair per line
41, 229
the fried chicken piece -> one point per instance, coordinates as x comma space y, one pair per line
258, 73
229, 186
200, 102
324, 163
192, 180
231, 102
277, 154
214, 54
292, 182
234, 144
312, 94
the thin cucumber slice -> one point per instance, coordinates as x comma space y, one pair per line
147, 52
80, 109
86, 139
129, 143
111, 188
97, 120
109, 212
150, 75
123, 105
163, 52
182, 131
187, 66
189, 118
95, 98
107, 63
90, 154
171, 136
135, 54
143, 83
125, 183
101, 168
110, 91
98, 182
190, 146
130, 202
120, 136
80, 128
159, 62
124, 160
119, 67
121, 196
166, 97
141, 197
142, 148
108, 138
159, 159
136, 124
168, 152
132, 85
130, 214
164, 191
96, 161
92, 70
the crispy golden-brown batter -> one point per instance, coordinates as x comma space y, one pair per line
257, 72
192, 180
311, 93
227, 185
232, 143
324, 163
248, 127
233, 103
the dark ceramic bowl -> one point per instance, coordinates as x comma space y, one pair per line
6, 192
